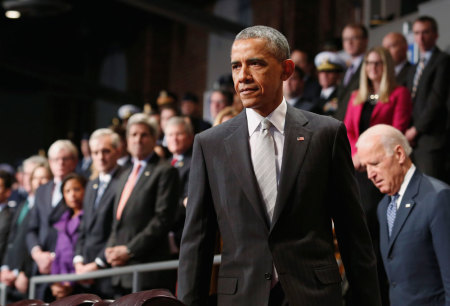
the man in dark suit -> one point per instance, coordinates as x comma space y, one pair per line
293, 91
354, 41
398, 46
144, 209
311, 87
98, 208
429, 84
180, 137
48, 207
6, 181
271, 180
414, 220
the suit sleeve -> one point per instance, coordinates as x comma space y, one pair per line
4, 231
197, 244
351, 229
434, 107
440, 232
32, 237
402, 109
159, 225
352, 126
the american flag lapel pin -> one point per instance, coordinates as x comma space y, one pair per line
300, 138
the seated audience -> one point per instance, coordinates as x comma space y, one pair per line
190, 107
293, 91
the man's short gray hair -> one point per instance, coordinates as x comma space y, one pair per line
36, 160
277, 43
115, 139
181, 121
63, 144
389, 137
142, 118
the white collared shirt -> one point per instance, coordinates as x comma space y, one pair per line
405, 184
326, 92
277, 118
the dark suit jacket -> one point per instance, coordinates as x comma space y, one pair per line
430, 113
146, 219
17, 256
96, 224
417, 256
311, 89
5, 224
316, 185
402, 76
42, 217
344, 93
319, 104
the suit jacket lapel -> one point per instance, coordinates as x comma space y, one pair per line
238, 151
384, 235
296, 142
405, 208
89, 217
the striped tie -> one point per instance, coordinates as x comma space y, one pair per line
417, 76
263, 157
392, 212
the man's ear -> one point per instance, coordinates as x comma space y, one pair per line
288, 68
400, 154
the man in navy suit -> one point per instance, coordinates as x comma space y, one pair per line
98, 207
414, 220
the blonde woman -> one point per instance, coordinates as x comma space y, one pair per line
378, 100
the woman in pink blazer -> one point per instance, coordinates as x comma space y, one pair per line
378, 100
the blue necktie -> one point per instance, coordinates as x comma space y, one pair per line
392, 212
101, 189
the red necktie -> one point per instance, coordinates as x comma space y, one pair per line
174, 161
127, 189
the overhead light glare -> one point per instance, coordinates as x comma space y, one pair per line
12, 14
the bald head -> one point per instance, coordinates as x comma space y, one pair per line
397, 46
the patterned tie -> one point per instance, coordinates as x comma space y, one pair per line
392, 212
23, 212
127, 189
174, 162
263, 157
420, 67
348, 75
100, 191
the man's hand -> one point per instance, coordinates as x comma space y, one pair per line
43, 260
357, 163
8, 277
21, 283
411, 135
117, 256
89, 267
60, 290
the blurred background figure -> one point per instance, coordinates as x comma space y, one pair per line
17, 263
126, 111
72, 188
85, 163
311, 88
6, 181
293, 91
219, 99
329, 67
397, 45
190, 107
225, 114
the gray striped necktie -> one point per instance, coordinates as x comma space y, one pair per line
263, 157
419, 71
392, 212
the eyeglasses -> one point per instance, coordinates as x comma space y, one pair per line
352, 38
63, 159
374, 63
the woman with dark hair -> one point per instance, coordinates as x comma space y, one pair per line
72, 188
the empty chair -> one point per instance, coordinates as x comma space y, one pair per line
155, 297
83, 299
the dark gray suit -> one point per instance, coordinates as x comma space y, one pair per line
316, 185
430, 114
402, 76
344, 93
417, 255
5, 224
146, 220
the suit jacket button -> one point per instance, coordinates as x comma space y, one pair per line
268, 276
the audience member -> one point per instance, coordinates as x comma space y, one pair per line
329, 66
397, 45
414, 220
72, 188
85, 163
144, 208
429, 84
126, 111
6, 181
354, 40
124, 159
17, 263
219, 99
293, 91
98, 207
190, 107
48, 208
225, 114
311, 88
180, 137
